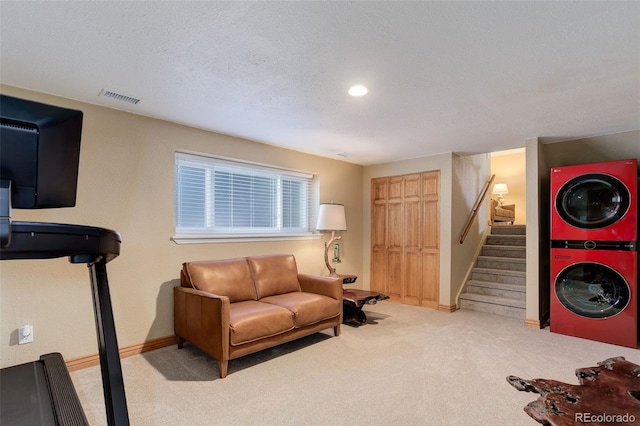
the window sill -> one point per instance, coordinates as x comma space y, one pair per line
239, 238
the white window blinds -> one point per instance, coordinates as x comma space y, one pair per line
217, 196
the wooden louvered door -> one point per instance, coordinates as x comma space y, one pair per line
404, 238
430, 239
379, 255
394, 238
412, 259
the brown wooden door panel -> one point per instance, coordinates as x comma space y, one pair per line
379, 226
394, 275
394, 226
412, 226
394, 192
412, 187
379, 271
430, 279
431, 185
412, 278
379, 190
430, 225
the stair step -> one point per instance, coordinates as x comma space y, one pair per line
493, 305
499, 276
510, 264
507, 240
501, 301
497, 284
519, 252
507, 291
508, 230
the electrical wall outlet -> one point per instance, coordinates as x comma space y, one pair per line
25, 334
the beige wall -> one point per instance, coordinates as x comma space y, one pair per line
617, 146
510, 168
537, 233
126, 183
470, 173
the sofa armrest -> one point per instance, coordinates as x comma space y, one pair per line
327, 286
511, 207
203, 319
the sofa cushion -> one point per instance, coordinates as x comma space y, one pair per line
252, 320
230, 277
308, 308
505, 212
274, 274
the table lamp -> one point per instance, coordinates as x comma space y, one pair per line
331, 217
500, 189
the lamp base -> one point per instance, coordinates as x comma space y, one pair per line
332, 271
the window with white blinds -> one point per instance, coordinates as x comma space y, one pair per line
222, 198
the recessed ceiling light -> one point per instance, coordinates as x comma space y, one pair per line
358, 90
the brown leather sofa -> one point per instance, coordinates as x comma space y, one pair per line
234, 307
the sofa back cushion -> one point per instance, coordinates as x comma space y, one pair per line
274, 274
229, 277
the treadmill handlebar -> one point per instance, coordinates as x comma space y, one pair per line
40, 240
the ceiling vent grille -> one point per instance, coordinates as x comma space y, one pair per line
120, 97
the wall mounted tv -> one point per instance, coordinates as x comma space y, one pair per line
39, 153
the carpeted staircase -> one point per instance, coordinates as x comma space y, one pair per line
497, 283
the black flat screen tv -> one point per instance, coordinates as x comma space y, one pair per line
39, 153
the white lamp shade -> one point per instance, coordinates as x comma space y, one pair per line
331, 217
500, 189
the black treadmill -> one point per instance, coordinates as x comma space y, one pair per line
39, 152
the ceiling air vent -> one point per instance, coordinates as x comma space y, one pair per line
119, 97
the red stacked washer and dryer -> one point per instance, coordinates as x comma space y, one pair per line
594, 259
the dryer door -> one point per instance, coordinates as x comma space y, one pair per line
592, 201
592, 290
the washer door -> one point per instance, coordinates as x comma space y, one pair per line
592, 201
592, 290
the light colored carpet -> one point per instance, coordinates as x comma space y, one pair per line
407, 366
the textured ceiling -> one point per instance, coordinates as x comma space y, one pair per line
442, 76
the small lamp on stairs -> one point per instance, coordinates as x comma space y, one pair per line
500, 189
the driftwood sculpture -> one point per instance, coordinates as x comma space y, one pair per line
607, 394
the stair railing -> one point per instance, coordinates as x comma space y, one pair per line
476, 206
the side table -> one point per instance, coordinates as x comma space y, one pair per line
353, 300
